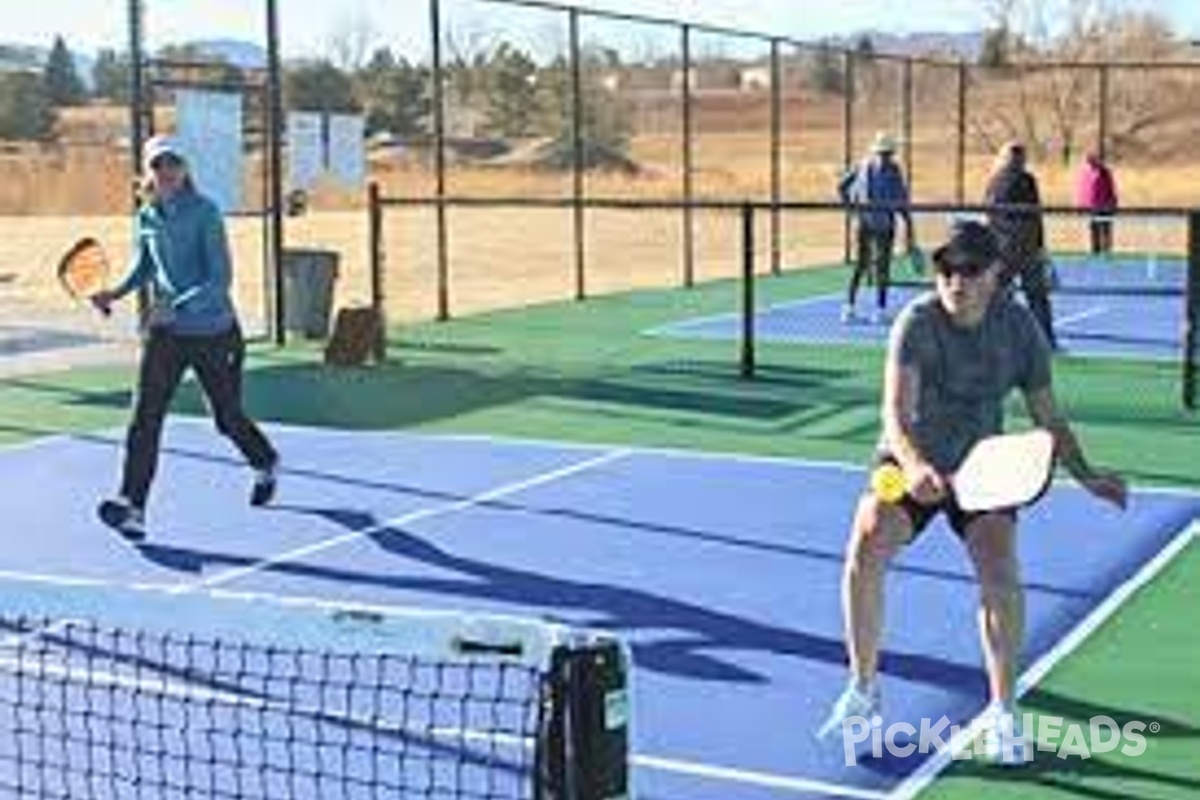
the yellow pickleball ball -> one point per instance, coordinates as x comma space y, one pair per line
888, 483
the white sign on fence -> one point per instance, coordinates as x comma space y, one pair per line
347, 154
325, 144
305, 151
209, 128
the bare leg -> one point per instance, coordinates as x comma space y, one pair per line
991, 541
879, 531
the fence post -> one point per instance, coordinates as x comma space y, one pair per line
848, 154
689, 253
274, 155
960, 167
1191, 316
746, 362
376, 266
776, 158
577, 153
438, 100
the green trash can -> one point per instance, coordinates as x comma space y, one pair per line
309, 277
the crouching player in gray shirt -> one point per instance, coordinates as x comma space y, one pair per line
953, 356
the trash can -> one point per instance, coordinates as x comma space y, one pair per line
308, 281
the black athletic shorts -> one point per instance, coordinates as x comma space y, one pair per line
920, 514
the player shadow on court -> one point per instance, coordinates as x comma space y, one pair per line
347, 518
405, 393
637, 613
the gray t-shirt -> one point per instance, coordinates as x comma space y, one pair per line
965, 373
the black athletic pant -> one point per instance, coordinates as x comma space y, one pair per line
217, 362
874, 254
1101, 234
1035, 285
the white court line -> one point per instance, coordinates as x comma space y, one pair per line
1068, 320
762, 779
429, 512
685, 454
1036, 672
680, 327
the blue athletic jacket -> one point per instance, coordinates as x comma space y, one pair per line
182, 255
875, 182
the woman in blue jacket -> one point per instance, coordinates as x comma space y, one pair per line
183, 262
877, 185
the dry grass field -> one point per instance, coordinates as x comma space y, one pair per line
499, 258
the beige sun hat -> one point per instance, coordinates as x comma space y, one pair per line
883, 143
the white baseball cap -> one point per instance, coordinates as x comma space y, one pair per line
157, 146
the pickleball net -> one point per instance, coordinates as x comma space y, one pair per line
221, 696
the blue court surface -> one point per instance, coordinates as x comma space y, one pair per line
1113, 324
721, 572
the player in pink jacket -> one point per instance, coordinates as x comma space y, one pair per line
1097, 192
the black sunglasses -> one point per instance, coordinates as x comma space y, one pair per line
166, 160
968, 269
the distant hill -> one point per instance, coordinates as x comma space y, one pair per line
31, 58
16, 57
240, 53
957, 45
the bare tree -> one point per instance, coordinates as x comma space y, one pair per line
352, 41
1053, 107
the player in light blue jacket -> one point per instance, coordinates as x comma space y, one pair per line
182, 260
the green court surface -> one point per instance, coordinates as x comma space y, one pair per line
585, 372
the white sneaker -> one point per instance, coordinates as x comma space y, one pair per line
1002, 740
849, 315
880, 317
855, 701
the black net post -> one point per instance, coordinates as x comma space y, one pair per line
1191, 317
584, 749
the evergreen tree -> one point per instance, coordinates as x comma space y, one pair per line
320, 86
512, 103
25, 108
395, 94
64, 87
604, 126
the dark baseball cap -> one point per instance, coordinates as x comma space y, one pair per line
970, 249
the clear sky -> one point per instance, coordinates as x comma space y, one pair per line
309, 26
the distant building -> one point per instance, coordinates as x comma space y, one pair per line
755, 79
